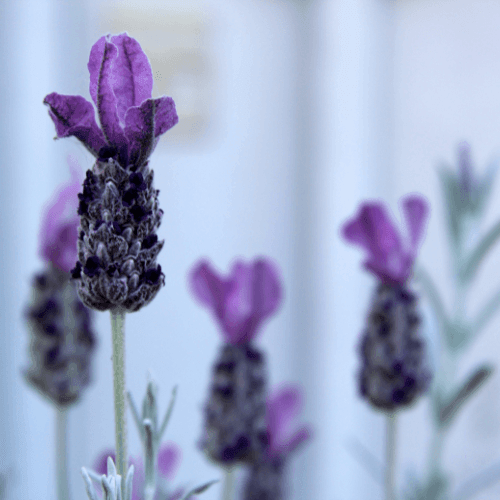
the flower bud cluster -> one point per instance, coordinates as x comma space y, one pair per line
117, 244
62, 340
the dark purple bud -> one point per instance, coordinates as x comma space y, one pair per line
92, 266
151, 276
83, 208
227, 368
77, 271
107, 152
129, 196
110, 271
137, 180
117, 228
40, 281
138, 213
149, 241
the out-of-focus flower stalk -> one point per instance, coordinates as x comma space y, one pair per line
390, 455
62, 453
228, 491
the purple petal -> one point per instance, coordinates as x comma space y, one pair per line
132, 75
282, 408
255, 293
59, 228
416, 210
106, 100
74, 116
169, 458
302, 435
94, 66
208, 288
166, 115
139, 128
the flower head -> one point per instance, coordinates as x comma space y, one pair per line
243, 300
121, 83
118, 208
169, 456
59, 229
283, 406
373, 230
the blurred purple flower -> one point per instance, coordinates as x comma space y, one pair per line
242, 301
169, 456
59, 228
283, 406
373, 230
121, 83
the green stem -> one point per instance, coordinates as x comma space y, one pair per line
227, 493
118, 336
62, 453
390, 455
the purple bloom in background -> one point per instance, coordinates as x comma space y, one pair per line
235, 425
121, 83
62, 339
283, 406
118, 207
394, 369
169, 456
59, 228
265, 479
243, 300
373, 230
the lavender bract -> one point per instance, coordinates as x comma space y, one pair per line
169, 456
394, 367
119, 210
265, 477
62, 338
235, 429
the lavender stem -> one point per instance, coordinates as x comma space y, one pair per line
62, 453
228, 484
390, 453
118, 340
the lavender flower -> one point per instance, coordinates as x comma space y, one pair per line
168, 461
265, 477
394, 370
62, 339
235, 429
119, 210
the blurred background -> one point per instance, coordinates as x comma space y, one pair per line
291, 113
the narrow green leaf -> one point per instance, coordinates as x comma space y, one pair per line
424, 278
200, 489
472, 383
168, 413
471, 265
135, 414
452, 201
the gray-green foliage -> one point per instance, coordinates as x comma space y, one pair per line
465, 198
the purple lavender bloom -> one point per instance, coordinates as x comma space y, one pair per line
121, 83
283, 406
62, 340
118, 208
243, 300
169, 457
373, 230
235, 426
59, 228
265, 477
394, 367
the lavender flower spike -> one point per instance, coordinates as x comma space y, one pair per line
235, 427
394, 368
118, 208
62, 340
373, 230
265, 477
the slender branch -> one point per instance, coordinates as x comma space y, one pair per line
62, 453
135, 415
118, 336
390, 454
166, 419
